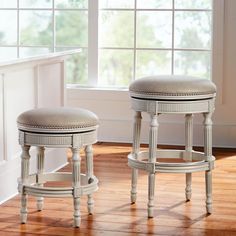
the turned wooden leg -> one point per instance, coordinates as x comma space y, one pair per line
40, 169
208, 156
135, 151
25, 157
188, 149
152, 158
89, 173
76, 185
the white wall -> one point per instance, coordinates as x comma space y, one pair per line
113, 107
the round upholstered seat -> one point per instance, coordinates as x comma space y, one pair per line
61, 127
172, 88
57, 120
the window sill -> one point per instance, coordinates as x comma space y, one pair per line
92, 93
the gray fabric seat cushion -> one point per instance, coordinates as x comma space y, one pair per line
57, 120
172, 88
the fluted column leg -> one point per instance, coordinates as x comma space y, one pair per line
152, 158
135, 151
188, 149
40, 169
76, 185
208, 156
25, 157
89, 167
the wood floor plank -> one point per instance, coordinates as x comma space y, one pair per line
113, 213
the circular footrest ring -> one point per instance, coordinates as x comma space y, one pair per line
194, 161
31, 188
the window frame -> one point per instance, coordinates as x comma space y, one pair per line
93, 46
53, 46
93, 37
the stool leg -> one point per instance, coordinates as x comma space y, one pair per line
188, 149
208, 156
89, 172
152, 158
40, 168
25, 157
76, 185
135, 151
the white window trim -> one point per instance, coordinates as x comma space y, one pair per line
218, 48
92, 42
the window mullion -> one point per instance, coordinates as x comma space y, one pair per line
18, 29
93, 42
135, 40
173, 38
54, 27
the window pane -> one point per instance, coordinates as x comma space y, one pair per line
193, 63
29, 52
193, 4
193, 29
79, 4
8, 28
154, 4
35, 3
8, 53
8, 3
116, 3
76, 67
154, 29
35, 28
115, 68
153, 62
72, 28
116, 29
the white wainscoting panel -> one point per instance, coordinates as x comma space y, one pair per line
116, 119
18, 96
2, 156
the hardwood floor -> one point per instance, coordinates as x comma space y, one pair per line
115, 216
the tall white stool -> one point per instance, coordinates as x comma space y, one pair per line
72, 128
172, 95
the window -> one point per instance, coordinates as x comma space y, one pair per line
133, 38
42, 26
140, 38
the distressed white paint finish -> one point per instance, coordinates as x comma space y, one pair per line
25, 158
135, 151
153, 131
26, 84
81, 184
208, 153
191, 161
40, 170
76, 183
188, 149
89, 171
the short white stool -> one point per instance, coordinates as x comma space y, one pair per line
172, 95
71, 128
